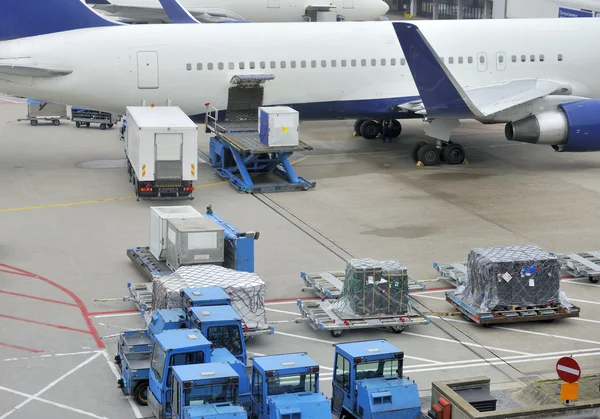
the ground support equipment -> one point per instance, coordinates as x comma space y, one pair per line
34, 120
236, 153
328, 285
451, 273
321, 316
580, 265
147, 264
44, 111
87, 117
515, 315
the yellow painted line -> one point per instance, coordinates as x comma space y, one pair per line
70, 204
300, 159
208, 185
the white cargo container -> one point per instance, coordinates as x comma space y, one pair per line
161, 145
159, 217
278, 126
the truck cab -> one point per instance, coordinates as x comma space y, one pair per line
222, 326
287, 386
368, 382
205, 296
173, 348
206, 391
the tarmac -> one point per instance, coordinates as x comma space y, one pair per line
68, 214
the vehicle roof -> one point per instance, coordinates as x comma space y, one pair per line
181, 339
170, 314
206, 294
160, 116
283, 362
204, 371
368, 348
193, 225
215, 313
215, 410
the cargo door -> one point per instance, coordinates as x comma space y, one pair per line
168, 149
147, 70
273, 4
348, 4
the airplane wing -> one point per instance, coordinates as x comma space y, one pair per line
156, 14
16, 68
443, 97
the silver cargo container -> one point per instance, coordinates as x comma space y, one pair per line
158, 226
194, 241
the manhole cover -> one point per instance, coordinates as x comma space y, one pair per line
103, 164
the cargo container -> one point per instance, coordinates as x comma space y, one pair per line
159, 217
278, 126
194, 241
161, 145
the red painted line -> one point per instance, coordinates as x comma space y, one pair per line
100, 313
567, 277
56, 326
22, 348
74, 297
33, 297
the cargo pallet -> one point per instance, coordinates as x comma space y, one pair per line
451, 273
328, 285
515, 315
321, 316
236, 153
580, 265
147, 264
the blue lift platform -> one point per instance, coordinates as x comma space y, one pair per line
236, 154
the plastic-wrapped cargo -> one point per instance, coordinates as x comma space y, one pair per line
500, 278
247, 290
373, 287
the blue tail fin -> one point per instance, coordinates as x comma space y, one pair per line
176, 12
24, 18
441, 94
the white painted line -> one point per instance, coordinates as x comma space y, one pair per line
282, 311
584, 301
327, 342
575, 281
113, 368
569, 370
593, 342
417, 293
428, 296
280, 303
102, 316
52, 384
466, 343
60, 405
584, 320
48, 356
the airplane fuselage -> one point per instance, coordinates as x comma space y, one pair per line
324, 70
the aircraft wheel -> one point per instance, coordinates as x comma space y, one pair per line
369, 129
357, 124
454, 154
429, 155
415, 150
396, 128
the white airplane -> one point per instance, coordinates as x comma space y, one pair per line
536, 75
209, 11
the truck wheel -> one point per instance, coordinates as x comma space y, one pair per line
87, 124
33, 122
140, 393
594, 279
56, 122
335, 333
397, 329
102, 127
110, 125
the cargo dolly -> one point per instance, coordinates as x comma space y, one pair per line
514, 315
237, 153
82, 116
322, 316
582, 264
328, 285
44, 111
451, 273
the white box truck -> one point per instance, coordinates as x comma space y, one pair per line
161, 145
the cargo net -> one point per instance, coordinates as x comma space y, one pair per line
511, 277
247, 290
373, 287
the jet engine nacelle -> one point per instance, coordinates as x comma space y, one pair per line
573, 127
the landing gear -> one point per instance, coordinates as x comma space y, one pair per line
370, 129
431, 155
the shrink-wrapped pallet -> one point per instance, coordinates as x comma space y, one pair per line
502, 278
247, 290
373, 287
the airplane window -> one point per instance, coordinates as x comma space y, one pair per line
560, 57
542, 57
402, 61
199, 66
232, 66
363, 62
283, 64
523, 58
460, 60
209, 66
353, 63
242, 65
333, 63
221, 66
450, 60
323, 63
392, 61
273, 64
470, 60
188, 67
263, 64
500, 58
383, 61
373, 62
293, 64
303, 64
252, 64
482, 59
344, 63
514, 58
313, 63
532, 58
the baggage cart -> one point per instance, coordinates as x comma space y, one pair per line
44, 111
453, 273
86, 117
581, 265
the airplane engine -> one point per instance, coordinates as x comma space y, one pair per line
573, 127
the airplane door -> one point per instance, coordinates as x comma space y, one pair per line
348, 4
500, 61
273, 4
147, 70
482, 61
